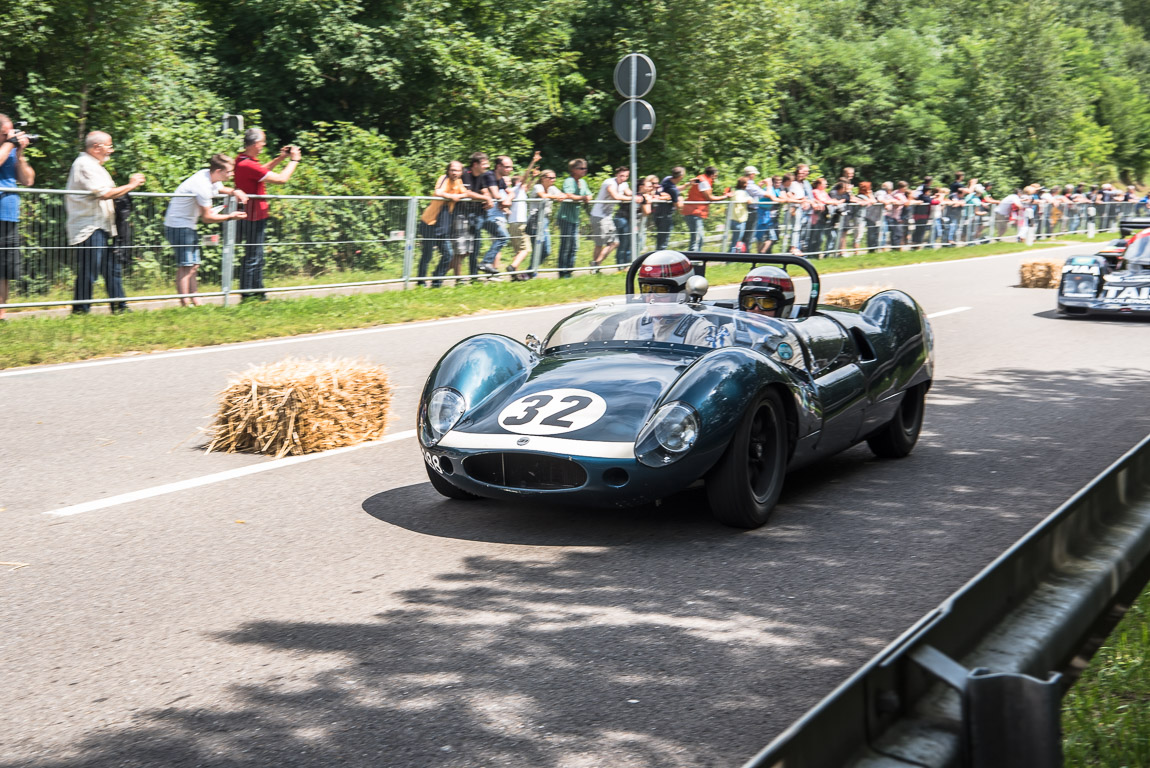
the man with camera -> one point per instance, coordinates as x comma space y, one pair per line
252, 178
14, 169
192, 202
92, 221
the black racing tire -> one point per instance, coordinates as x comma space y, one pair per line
744, 486
897, 439
445, 488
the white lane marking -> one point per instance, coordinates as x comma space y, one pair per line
444, 321
608, 450
218, 477
274, 342
947, 312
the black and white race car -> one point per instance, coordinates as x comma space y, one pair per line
1092, 286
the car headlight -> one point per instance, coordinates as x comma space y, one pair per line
443, 411
668, 435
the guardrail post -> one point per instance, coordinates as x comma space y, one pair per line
1009, 719
228, 251
541, 224
409, 240
726, 229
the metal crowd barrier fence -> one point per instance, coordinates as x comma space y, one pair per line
977, 681
313, 242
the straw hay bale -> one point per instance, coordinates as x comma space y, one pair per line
301, 406
1041, 273
851, 298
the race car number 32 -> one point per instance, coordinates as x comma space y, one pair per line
552, 412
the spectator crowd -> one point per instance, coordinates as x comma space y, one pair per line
793, 212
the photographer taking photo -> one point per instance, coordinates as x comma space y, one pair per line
252, 178
14, 169
92, 221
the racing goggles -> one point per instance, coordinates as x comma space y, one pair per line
656, 288
766, 303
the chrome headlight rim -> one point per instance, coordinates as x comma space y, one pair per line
444, 408
669, 434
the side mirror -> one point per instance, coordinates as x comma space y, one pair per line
534, 344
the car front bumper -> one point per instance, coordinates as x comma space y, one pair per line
597, 481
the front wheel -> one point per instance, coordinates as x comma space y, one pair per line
439, 483
744, 486
897, 439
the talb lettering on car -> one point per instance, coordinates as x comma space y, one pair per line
1128, 294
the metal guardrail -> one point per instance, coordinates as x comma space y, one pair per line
997, 645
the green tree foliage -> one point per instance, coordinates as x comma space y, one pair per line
381, 93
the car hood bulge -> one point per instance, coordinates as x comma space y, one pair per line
601, 397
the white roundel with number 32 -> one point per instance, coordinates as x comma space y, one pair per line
552, 412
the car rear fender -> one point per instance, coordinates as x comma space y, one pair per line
901, 340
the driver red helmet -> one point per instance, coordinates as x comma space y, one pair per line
769, 290
665, 272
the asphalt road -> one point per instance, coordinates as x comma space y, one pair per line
338, 611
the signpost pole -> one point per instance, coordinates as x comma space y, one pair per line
634, 77
634, 167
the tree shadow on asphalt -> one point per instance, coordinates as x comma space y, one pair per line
653, 637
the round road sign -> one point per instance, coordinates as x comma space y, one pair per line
644, 121
634, 76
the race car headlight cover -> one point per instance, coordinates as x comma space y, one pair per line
668, 435
443, 411
1078, 285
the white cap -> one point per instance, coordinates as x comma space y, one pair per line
750, 169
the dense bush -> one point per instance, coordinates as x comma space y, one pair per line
382, 92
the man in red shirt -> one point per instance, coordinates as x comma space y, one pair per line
252, 177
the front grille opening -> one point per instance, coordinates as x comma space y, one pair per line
525, 470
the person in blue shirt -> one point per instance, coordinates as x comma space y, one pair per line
14, 169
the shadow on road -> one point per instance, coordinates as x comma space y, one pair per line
650, 637
1127, 320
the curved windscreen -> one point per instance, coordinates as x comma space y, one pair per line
1138, 251
622, 322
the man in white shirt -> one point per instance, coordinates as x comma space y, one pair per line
611, 192
91, 221
1002, 212
183, 213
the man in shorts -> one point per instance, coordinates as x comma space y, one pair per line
193, 201
14, 169
611, 192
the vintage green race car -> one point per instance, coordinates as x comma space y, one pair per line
595, 415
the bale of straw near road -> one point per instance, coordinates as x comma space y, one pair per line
1041, 273
300, 406
851, 298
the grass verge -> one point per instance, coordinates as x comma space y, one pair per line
38, 340
1106, 715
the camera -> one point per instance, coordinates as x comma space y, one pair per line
20, 126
